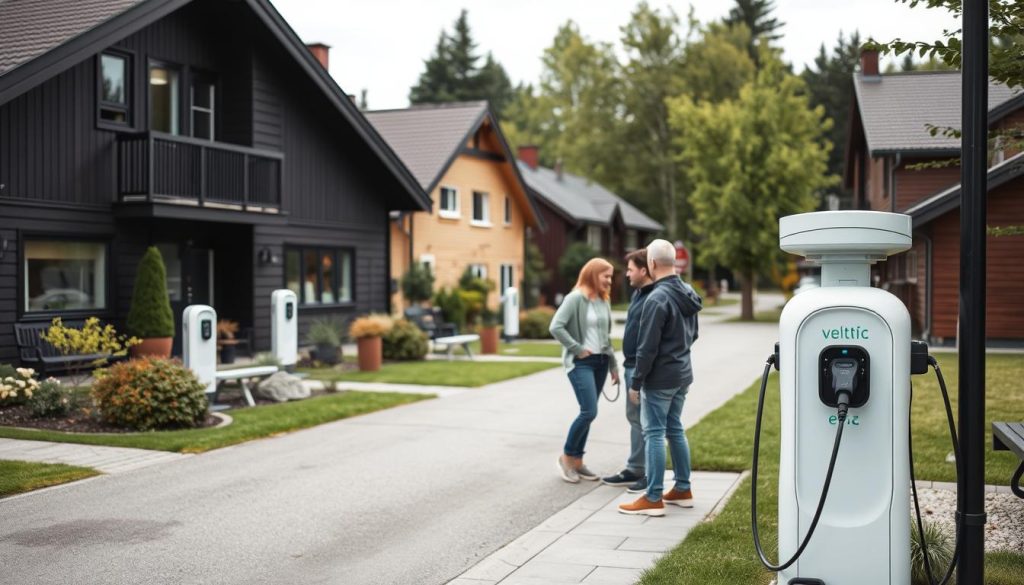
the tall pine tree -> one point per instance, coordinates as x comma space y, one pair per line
756, 15
452, 72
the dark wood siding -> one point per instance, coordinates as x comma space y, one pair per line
552, 243
915, 185
1003, 314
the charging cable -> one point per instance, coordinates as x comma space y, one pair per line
959, 482
844, 383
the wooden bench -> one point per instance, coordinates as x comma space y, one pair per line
1008, 436
37, 353
243, 376
455, 340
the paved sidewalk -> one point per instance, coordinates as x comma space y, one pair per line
590, 542
110, 460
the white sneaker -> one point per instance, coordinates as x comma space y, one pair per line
568, 474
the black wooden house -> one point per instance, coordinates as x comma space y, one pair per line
203, 127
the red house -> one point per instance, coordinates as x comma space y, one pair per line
890, 138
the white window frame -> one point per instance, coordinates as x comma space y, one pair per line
430, 262
485, 208
455, 211
508, 277
479, 270
508, 210
211, 111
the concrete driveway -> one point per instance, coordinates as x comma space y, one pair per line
412, 495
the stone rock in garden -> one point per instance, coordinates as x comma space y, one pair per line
282, 387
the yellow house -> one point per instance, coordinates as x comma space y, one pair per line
481, 208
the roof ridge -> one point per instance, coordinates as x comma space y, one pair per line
434, 106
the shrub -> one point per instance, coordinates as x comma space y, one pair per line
535, 274
325, 332
418, 283
940, 552
573, 259
372, 325
16, 385
535, 323
405, 341
52, 399
149, 393
451, 306
150, 314
91, 339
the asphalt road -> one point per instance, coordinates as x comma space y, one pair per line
414, 495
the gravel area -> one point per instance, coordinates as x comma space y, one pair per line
1005, 527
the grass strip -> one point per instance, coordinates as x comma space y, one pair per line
470, 374
249, 423
24, 476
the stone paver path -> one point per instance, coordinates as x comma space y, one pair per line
590, 542
108, 460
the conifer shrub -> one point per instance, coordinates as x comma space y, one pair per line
150, 314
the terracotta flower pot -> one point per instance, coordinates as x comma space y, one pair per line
371, 353
489, 340
153, 347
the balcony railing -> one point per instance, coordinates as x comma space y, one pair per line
153, 166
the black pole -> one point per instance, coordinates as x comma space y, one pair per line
974, 152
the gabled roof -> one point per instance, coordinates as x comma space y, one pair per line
41, 38
582, 200
429, 137
896, 110
949, 199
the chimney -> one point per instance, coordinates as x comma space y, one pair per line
320, 51
530, 154
558, 169
869, 63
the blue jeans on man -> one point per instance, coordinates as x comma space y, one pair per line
587, 378
637, 453
661, 412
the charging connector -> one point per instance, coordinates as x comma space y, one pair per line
844, 383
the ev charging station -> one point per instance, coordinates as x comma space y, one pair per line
199, 325
845, 335
510, 299
284, 327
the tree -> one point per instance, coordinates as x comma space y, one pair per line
535, 274
451, 72
830, 85
418, 283
755, 15
1006, 34
575, 256
717, 64
150, 313
751, 161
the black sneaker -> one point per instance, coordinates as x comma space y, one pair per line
639, 486
622, 478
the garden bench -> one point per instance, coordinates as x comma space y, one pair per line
243, 376
37, 353
454, 340
431, 322
1008, 436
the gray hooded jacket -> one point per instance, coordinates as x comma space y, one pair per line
668, 328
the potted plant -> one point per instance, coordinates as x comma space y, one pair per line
488, 331
418, 284
150, 318
367, 332
226, 330
323, 333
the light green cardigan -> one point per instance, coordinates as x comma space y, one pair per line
569, 325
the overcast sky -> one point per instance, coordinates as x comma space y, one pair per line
380, 45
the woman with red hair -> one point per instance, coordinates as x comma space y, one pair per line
583, 325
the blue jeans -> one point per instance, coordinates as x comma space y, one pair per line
637, 451
661, 411
587, 378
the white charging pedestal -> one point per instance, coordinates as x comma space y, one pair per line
199, 345
510, 300
284, 327
863, 535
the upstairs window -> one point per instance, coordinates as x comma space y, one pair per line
113, 84
449, 204
508, 210
164, 99
202, 106
594, 237
632, 240
481, 209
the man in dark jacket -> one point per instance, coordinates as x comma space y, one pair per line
662, 376
639, 277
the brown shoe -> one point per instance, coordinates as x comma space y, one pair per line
679, 498
644, 507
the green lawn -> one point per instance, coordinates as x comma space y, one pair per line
470, 374
532, 348
249, 423
722, 441
24, 476
770, 316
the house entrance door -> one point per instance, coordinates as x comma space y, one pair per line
189, 280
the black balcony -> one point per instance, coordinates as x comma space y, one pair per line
156, 167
